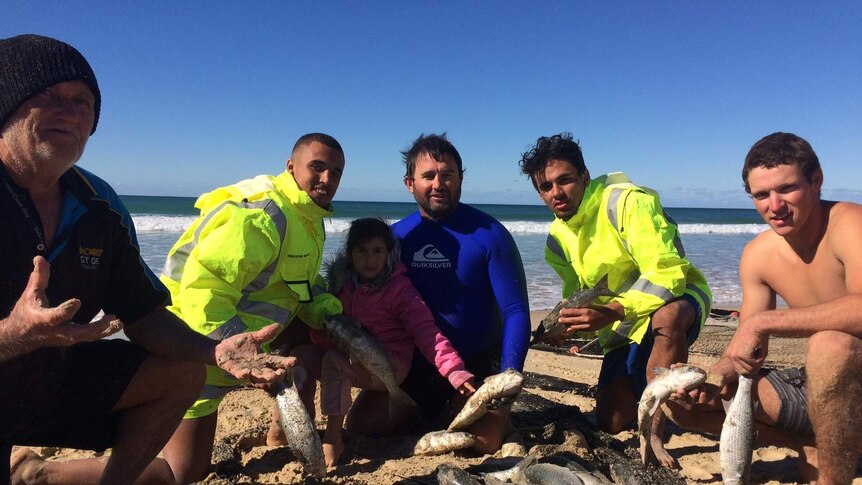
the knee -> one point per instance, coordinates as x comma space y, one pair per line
831, 351
673, 320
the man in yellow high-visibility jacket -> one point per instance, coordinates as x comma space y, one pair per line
608, 226
251, 258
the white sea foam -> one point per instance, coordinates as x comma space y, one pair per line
161, 223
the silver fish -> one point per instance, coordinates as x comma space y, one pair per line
348, 336
657, 392
506, 475
737, 436
507, 383
302, 437
594, 477
439, 442
551, 327
452, 475
546, 474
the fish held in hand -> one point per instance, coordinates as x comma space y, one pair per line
299, 430
551, 326
439, 442
737, 435
666, 382
504, 384
348, 336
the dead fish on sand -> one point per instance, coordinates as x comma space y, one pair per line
546, 474
738, 436
507, 383
452, 475
349, 337
657, 392
302, 437
439, 442
508, 474
551, 327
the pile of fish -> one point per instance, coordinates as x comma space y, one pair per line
502, 385
737, 435
302, 437
657, 392
551, 326
527, 472
348, 336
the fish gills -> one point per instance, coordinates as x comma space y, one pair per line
302, 437
439, 442
507, 383
348, 336
657, 392
737, 436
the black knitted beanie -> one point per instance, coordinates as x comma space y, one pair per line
30, 63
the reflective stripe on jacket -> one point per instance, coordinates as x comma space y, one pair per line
621, 230
250, 259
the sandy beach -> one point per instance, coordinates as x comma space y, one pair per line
244, 418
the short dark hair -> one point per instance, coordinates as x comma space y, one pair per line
363, 230
437, 146
322, 138
781, 149
556, 147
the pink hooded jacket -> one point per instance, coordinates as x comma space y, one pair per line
391, 310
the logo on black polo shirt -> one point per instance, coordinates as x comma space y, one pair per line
430, 257
89, 257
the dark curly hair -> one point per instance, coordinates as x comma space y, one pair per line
556, 147
781, 149
363, 230
437, 146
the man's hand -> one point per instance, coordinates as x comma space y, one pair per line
719, 377
748, 348
39, 325
591, 318
241, 356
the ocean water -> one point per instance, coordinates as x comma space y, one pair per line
713, 238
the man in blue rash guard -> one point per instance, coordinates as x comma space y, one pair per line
467, 268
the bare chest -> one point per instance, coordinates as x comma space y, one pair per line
803, 283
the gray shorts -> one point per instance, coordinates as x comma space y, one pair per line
790, 386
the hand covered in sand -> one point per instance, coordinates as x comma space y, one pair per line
41, 325
241, 356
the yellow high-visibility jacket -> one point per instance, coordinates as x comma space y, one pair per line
250, 259
621, 230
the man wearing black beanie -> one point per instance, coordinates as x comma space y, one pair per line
65, 237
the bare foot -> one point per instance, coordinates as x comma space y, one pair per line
275, 436
332, 452
24, 465
661, 455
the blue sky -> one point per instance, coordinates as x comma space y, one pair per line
202, 94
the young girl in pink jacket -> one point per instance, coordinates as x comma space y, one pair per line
371, 282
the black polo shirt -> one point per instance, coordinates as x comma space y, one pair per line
95, 258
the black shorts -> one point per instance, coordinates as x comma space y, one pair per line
790, 386
67, 404
432, 392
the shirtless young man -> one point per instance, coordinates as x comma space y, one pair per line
810, 258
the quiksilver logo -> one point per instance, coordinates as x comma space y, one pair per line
430, 257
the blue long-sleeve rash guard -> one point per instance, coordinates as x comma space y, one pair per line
468, 269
